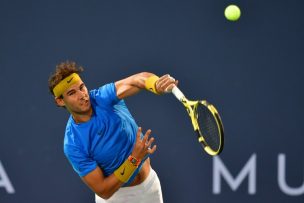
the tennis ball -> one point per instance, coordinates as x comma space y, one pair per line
232, 12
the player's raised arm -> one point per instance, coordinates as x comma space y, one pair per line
145, 80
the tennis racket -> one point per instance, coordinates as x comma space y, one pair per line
206, 123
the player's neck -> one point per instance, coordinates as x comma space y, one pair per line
83, 117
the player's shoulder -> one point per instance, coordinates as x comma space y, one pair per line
71, 140
69, 125
108, 87
105, 95
70, 135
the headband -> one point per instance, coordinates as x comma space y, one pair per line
66, 83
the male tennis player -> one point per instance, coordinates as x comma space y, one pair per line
102, 141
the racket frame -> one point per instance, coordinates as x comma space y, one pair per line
191, 107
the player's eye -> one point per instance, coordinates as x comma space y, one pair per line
71, 93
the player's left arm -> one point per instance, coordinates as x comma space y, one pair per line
133, 84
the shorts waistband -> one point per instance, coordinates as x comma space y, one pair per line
145, 184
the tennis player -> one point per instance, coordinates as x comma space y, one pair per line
102, 141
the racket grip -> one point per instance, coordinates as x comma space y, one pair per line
177, 93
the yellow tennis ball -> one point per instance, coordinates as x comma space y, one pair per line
232, 12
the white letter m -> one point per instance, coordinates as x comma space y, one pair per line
220, 169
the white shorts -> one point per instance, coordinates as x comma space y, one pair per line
148, 191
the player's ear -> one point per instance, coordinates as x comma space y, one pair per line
59, 101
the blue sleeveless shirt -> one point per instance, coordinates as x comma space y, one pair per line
106, 140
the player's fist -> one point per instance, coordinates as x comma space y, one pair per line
165, 84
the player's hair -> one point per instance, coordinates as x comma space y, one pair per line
63, 70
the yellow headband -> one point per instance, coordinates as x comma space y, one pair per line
66, 83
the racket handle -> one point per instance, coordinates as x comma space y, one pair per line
177, 93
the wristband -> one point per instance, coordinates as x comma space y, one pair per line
125, 171
150, 83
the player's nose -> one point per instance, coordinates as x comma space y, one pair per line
82, 95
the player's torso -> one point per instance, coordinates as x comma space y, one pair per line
109, 136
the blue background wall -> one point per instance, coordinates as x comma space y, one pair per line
252, 70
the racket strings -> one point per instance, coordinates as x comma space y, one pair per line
208, 127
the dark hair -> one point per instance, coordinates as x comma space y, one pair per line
63, 70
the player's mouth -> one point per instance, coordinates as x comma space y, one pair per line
85, 103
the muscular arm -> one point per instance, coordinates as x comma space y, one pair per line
103, 187
133, 84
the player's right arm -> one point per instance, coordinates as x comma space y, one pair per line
105, 187
133, 84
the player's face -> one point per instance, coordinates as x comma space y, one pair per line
76, 99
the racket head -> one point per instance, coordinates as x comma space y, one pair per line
210, 130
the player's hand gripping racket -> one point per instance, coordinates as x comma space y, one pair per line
206, 123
